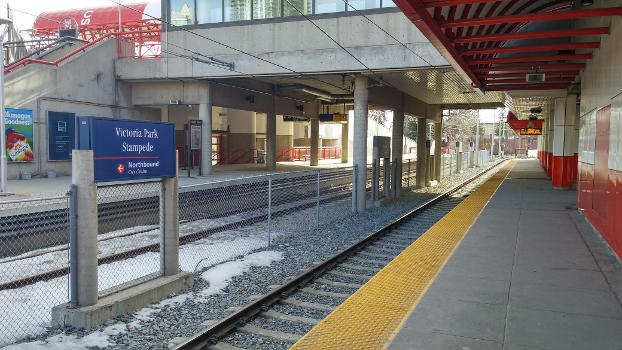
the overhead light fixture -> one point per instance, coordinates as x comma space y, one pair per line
587, 2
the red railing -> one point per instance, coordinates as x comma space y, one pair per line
151, 51
239, 156
182, 157
304, 153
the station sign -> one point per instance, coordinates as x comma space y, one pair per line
382, 146
128, 149
61, 135
530, 131
334, 118
291, 118
195, 133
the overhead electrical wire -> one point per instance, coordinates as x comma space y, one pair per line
231, 47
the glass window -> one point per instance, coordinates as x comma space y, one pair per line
303, 5
266, 9
182, 12
363, 4
328, 6
209, 11
237, 10
388, 3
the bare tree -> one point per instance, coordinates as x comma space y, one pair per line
459, 124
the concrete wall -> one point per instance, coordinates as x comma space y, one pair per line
84, 84
294, 43
161, 92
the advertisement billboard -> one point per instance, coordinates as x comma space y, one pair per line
61, 135
128, 149
19, 136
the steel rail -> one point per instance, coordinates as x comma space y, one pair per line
210, 335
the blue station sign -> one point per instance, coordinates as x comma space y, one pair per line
128, 149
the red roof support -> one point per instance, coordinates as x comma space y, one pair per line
538, 67
417, 13
532, 35
521, 81
441, 3
612, 11
520, 75
571, 46
585, 56
526, 87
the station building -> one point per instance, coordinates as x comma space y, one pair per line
261, 74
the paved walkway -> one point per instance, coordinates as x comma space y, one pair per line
530, 274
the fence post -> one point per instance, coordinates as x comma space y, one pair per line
73, 246
85, 248
354, 182
318, 198
169, 226
269, 206
408, 177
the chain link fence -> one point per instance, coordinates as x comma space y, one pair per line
128, 217
225, 219
34, 260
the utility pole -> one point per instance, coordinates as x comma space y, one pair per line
3, 160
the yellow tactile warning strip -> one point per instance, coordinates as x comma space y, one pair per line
371, 317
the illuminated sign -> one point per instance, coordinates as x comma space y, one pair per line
530, 131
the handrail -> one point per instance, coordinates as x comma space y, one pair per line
81, 49
55, 63
47, 46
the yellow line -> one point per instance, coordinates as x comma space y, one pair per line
371, 317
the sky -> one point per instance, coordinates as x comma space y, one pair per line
36, 7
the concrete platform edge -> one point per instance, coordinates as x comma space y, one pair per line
122, 302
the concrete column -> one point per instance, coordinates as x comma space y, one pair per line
437, 150
459, 157
564, 140
429, 162
549, 146
169, 227
315, 141
82, 175
164, 113
397, 148
476, 150
271, 137
421, 152
360, 138
344, 142
205, 115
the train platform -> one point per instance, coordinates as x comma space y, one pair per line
514, 266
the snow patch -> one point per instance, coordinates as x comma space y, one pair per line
71, 342
219, 276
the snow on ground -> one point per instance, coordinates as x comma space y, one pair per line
27, 310
71, 342
218, 276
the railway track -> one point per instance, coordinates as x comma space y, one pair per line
332, 192
277, 320
29, 231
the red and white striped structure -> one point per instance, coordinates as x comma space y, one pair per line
139, 23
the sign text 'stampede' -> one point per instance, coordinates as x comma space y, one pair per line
128, 150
